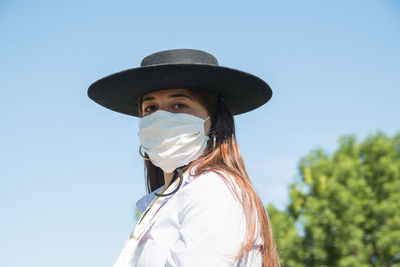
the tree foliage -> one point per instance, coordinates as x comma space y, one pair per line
345, 208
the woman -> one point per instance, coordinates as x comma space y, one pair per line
202, 209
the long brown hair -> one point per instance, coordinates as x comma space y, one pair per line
223, 156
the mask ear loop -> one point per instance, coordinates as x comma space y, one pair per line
177, 172
214, 141
141, 153
211, 134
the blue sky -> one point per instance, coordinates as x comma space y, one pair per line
70, 173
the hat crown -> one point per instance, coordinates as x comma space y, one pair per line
179, 56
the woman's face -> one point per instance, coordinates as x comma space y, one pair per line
175, 101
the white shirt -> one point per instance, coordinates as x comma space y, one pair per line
202, 224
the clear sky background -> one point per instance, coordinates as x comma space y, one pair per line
70, 173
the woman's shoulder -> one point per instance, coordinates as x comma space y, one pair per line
212, 186
207, 179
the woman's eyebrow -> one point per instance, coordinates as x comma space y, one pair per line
179, 95
147, 98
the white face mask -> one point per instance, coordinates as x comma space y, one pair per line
172, 140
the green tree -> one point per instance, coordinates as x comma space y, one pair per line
345, 208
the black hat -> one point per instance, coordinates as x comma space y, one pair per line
180, 68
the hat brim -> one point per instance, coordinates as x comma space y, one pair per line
120, 91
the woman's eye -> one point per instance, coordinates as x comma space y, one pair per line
150, 109
179, 106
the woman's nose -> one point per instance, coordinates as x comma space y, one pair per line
167, 107
163, 107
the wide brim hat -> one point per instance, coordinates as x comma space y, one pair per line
180, 68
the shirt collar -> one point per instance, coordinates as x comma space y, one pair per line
145, 201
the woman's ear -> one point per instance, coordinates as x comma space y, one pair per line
207, 125
139, 102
